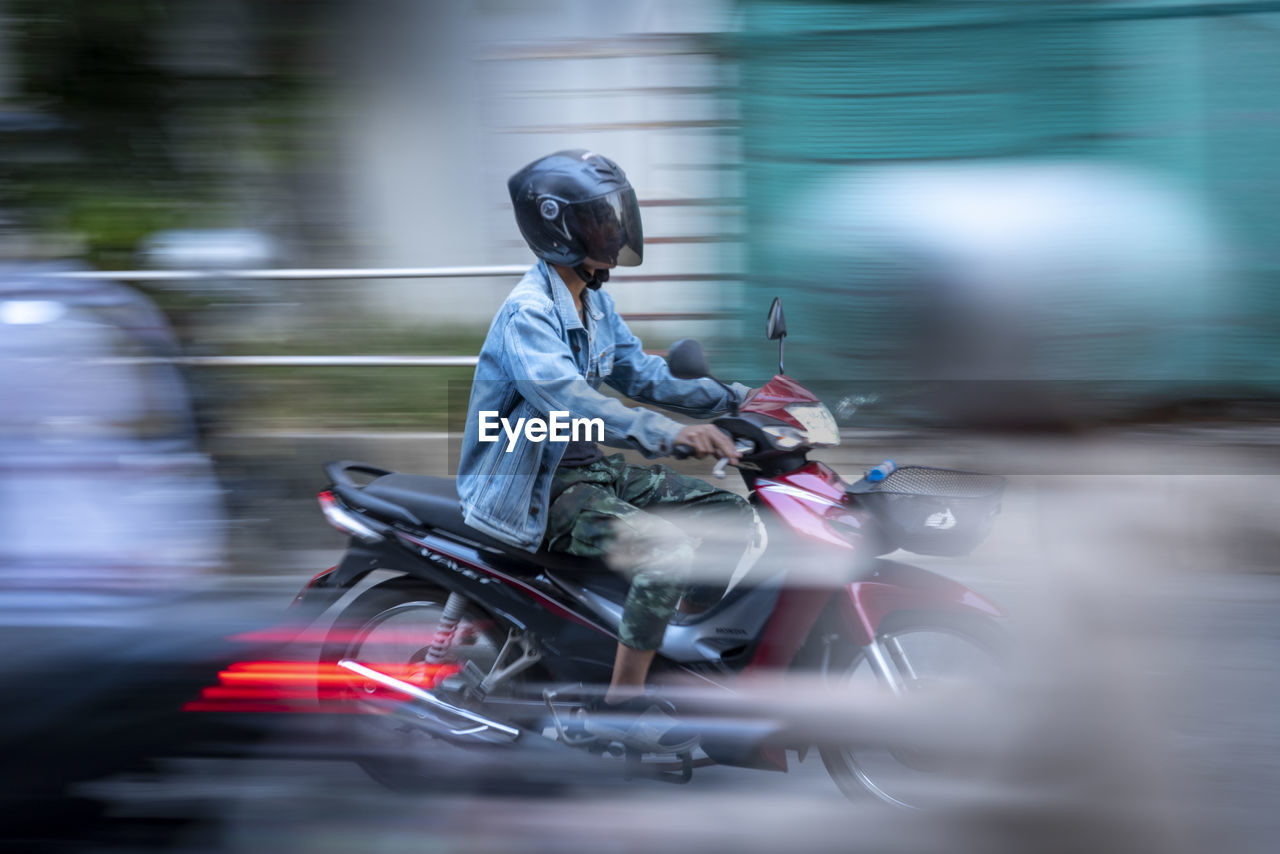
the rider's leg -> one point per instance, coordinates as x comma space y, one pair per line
630, 670
596, 512
720, 522
589, 520
588, 517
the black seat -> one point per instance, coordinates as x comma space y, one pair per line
434, 500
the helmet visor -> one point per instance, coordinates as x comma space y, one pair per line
609, 228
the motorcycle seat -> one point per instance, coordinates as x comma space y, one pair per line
434, 500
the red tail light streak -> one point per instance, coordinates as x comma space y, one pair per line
297, 687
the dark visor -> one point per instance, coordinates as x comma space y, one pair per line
609, 227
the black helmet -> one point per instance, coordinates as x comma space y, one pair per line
574, 205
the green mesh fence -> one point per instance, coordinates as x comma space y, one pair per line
1182, 95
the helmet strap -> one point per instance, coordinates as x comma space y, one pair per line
593, 278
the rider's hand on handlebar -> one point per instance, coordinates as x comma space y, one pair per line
708, 440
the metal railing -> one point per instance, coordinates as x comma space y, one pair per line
299, 361
316, 274
335, 274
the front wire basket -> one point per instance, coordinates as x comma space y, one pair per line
933, 511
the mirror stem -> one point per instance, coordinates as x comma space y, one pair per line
781, 340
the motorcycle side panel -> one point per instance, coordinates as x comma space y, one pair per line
578, 647
793, 618
811, 502
893, 587
730, 625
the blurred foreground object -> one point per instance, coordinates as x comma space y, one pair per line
1062, 290
111, 527
1103, 135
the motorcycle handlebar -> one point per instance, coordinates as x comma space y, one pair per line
683, 451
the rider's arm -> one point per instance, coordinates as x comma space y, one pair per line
645, 377
540, 362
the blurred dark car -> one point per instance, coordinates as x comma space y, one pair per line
111, 529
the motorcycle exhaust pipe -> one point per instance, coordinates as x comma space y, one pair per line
442, 719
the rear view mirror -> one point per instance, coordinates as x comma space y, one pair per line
775, 326
687, 361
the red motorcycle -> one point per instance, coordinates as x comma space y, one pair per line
472, 642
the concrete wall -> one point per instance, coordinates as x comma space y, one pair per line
451, 98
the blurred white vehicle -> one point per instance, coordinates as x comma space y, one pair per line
102, 485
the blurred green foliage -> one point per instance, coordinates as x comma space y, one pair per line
306, 399
148, 118
311, 399
352, 398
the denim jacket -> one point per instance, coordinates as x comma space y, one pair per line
538, 358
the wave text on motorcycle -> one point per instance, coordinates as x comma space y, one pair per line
560, 428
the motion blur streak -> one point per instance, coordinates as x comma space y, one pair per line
981, 216
310, 635
301, 687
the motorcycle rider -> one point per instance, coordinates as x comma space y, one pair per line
554, 341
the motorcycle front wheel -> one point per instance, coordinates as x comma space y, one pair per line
925, 650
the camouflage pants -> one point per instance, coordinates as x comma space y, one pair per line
647, 522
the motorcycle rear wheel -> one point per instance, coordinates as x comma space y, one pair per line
391, 624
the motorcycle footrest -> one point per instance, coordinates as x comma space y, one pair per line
637, 768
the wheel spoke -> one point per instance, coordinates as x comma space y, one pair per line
900, 660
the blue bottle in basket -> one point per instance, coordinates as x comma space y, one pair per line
880, 472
